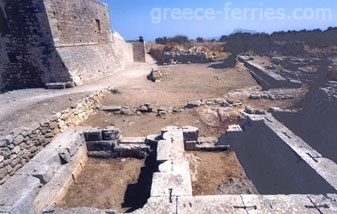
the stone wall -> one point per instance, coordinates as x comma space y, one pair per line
270, 153
181, 57
46, 41
90, 62
139, 51
26, 44
316, 122
268, 79
21, 144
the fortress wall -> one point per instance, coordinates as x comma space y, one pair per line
84, 41
78, 22
25, 44
45, 41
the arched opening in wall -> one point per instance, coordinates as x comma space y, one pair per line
3, 23
98, 25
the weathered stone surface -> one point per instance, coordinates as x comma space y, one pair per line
146, 108
166, 184
102, 154
190, 133
56, 85
101, 145
18, 140
190, 145
156, 205
3, 172
132, 150
93, 135
112, 108
193, 104
212, 204
111, 133
19, 192
41, 171
65, 156
6, 140
132, 140
81, 210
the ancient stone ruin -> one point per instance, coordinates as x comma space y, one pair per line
209, 127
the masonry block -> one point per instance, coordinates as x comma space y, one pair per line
111, 133
93, 135
101, 145
190, 145
190, 133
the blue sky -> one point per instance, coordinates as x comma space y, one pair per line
132, 18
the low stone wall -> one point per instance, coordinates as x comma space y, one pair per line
182, 57
38, 186
316, 122
268, 79
269, 153
21, 144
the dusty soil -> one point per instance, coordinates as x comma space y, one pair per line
150, 123
103, 184
182, 83
37, 111
218, 173
20, 108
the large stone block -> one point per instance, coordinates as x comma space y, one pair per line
111, 133
190, 133
17, 195
101, 145
132, 140
166, 184
93, 135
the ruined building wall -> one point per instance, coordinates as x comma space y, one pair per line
139, 51
57, 41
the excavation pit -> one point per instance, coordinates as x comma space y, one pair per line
218, 173
119, 184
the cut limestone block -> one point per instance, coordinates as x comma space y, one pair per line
190, 145
132, 140
190, 133
18, 193
111, 133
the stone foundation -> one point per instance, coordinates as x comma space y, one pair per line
21, 144
40, 184
268, 79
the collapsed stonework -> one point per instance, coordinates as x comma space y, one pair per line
49, 41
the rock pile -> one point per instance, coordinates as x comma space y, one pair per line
155, 75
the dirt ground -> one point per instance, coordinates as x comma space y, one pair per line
103, 184
20, 108
149, 123
218, 173
183, 83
